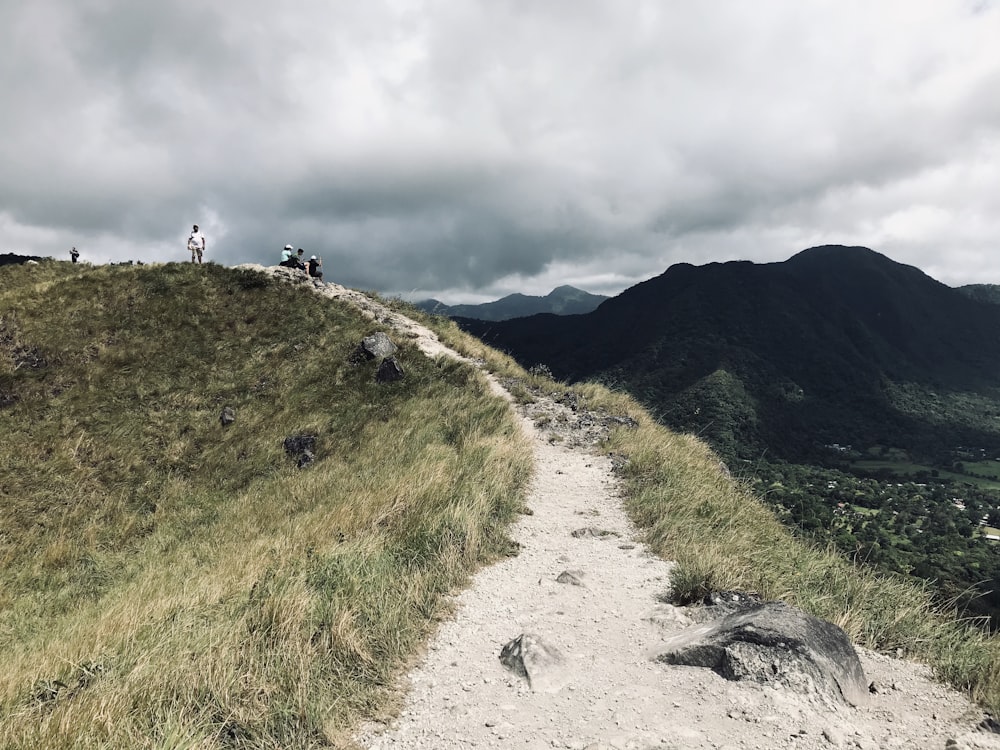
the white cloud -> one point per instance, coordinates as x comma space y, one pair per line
489, 147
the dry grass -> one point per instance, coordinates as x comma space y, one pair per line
170, 584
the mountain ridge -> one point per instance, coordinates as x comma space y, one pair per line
832, 324
563, 300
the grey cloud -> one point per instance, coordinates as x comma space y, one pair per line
502, 146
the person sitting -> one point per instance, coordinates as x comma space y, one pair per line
300, 259
316, 268
286, 258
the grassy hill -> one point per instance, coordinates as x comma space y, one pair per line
167, 582
171, 583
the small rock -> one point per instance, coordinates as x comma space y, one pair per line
571, 577
591, 533
532, 658
389, 371
301, 448
776, 645
373, 347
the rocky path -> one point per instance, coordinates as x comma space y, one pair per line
595, 597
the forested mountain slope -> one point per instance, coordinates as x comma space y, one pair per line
836, 344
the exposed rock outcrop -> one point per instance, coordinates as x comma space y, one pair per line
376, 346
773, 643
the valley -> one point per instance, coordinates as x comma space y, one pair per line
856, 395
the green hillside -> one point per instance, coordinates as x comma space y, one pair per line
167, 582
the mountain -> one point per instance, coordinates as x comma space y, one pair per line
835, 345
563, 300
982, 292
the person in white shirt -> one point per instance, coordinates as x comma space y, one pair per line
196, 244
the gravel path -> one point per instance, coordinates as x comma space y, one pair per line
609, 693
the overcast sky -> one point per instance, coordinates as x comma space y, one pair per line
466, 149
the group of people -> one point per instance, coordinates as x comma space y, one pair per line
289, 258
293, 259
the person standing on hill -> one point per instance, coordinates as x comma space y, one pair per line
74, 255
196, 244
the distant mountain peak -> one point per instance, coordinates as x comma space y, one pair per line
563, 300
828, 253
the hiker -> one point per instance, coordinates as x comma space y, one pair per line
73, 255
196, 244
286, 257
316, 268
300, 258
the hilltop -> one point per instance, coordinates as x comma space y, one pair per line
170, 581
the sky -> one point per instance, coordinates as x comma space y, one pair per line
468, 149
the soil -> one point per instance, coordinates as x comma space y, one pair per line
610, 693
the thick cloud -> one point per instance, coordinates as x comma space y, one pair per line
470, 149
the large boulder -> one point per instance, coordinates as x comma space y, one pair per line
773, 643
376, 346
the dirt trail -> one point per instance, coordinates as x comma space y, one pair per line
611, 694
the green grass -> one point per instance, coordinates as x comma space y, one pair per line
167, 582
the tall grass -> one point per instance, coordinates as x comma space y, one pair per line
171, 583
